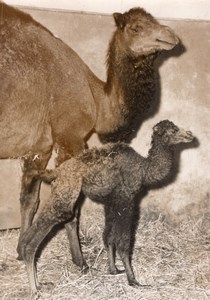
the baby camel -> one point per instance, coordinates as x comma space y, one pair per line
112, 175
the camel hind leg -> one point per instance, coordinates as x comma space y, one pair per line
30, 189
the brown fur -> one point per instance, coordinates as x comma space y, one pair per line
49, 98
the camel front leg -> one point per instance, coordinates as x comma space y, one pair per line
29, 196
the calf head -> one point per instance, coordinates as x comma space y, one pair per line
170, 134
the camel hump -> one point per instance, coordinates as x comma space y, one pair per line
11, 16
42, 79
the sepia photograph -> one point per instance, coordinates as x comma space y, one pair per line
104, 136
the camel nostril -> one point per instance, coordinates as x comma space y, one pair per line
190, 135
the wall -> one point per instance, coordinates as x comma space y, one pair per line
186, 9
185, 82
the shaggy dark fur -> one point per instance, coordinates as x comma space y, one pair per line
46, 90
138, 83
112, 175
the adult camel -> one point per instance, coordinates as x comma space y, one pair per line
50, 99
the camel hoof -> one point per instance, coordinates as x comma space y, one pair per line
19, 257
116, 271
20, 251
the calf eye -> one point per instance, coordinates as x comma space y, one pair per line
174, 130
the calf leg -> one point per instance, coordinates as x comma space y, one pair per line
128, 269
109, 241
31, 240
64, 152
123, 245
113, 270
55, 211
75, 248
29, 196
111, 259
118, 224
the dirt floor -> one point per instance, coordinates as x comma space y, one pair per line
170, 262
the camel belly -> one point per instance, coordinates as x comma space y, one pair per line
21, 138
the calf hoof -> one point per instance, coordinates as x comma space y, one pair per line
85, 268
35, 295
133, 282
19, 257
80, 262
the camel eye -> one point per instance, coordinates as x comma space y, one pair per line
134, 29
173, 130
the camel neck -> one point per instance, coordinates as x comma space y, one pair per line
131, 86
159, 163
130, 74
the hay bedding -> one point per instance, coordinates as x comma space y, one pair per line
171, 263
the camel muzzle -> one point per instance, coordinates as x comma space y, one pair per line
185, 136
166, 38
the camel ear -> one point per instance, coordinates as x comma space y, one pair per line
119, 20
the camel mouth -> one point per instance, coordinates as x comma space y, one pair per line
186, 136
167, 45
181, 136
166, 38
156, 46
189, 137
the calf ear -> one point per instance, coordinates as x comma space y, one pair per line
119, 20
157, 129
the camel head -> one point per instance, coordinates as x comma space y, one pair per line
141, 34
170, 134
